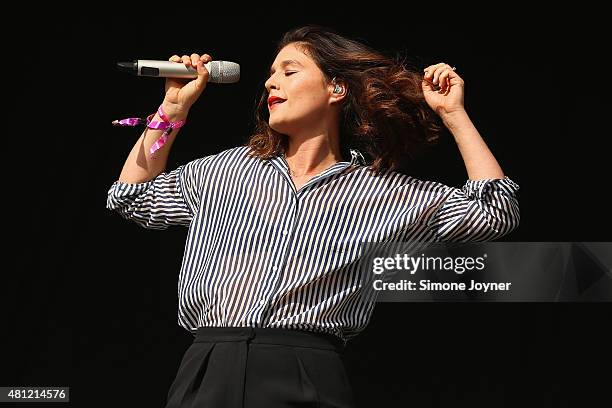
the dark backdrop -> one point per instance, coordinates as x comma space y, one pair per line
91, 298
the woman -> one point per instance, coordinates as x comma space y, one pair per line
269, 283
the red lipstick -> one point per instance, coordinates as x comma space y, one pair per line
274, 99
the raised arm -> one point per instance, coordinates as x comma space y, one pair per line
447, 102
486, 207
144, 193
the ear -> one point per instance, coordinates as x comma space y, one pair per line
337, 90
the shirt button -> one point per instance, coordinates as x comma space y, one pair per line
262, 301
274, 268
285, 232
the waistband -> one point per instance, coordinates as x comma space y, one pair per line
270, 335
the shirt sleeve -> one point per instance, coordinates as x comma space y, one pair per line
171, 198
481, 210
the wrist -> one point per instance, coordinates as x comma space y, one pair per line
455, 119
174, 112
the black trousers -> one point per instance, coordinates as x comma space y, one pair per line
243, 367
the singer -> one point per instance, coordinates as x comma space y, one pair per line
268, 284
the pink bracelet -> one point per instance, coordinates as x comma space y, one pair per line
154, 124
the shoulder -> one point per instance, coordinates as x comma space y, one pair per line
392, 180
232, 154
238, 153
386, 176
236, 159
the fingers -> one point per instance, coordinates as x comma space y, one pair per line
439, 75
203, 73
194, 59
205, 59
443, 80
184, 59
433, 72
191, 60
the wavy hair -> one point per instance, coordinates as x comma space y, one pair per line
384, 114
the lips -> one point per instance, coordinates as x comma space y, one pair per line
274, 100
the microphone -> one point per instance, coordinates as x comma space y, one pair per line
221, 72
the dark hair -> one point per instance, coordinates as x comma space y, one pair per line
384, 114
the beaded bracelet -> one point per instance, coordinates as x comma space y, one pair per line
153, 124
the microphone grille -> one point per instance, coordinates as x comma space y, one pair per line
224, 72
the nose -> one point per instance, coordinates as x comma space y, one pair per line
270, 83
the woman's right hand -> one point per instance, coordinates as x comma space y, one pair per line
182, 93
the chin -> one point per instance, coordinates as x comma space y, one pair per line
288, 126
275, 127
280, 126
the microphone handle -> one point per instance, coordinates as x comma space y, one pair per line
169, 69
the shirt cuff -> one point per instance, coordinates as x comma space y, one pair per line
121, 193
123, 189
478, 189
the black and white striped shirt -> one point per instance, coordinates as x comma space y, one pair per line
261, 254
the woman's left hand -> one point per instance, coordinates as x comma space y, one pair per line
449, 97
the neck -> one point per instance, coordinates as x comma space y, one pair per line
313, 155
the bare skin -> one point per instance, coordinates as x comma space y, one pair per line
447, 102
309, 116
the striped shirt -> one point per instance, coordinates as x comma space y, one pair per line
260, 253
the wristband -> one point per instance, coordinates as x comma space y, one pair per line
164, 124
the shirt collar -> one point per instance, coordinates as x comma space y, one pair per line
357, 158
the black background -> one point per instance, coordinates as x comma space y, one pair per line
91, 299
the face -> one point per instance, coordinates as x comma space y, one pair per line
296, 78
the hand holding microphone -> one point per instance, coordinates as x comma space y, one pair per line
181, 92
223, 72
186, 79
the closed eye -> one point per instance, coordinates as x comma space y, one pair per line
289, 73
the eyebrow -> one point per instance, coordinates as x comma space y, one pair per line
285, 63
